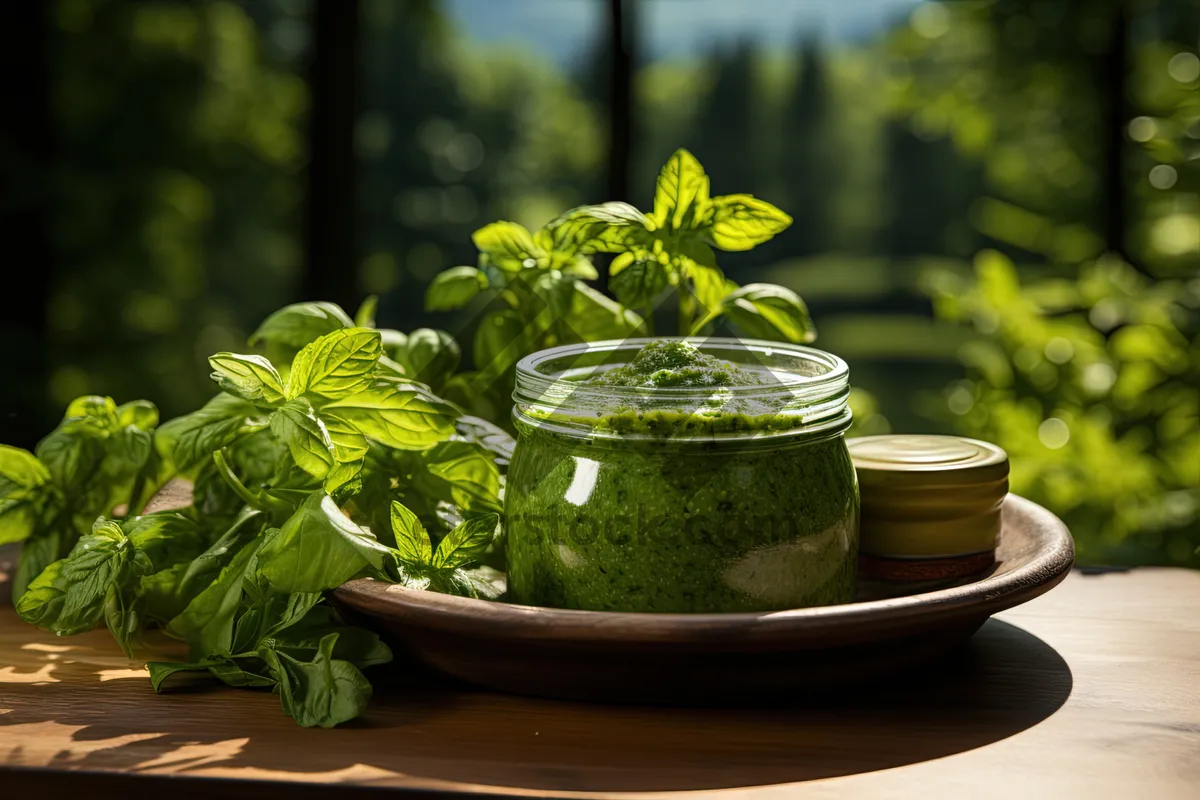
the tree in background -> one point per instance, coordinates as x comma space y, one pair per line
1088, 375
175, 193
808, 158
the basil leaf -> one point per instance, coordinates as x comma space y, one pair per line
507, 246
365, 316
431, 356
638, 283
92, 410
69, 596
336, 365
297, 425
289, 329
248, 377
349, 450
490, 437
123, 617
469, 470
466, 543
72, 455
606, 228
594, 316
38, 552
397, 415
23, 489
500, 342
454, 288
319, 548
322, 692
412, 540
205, 568
191, 440
742, 221
161, 670
139, 413
766, 311
360, 647
165, 538
207, 622
681, 198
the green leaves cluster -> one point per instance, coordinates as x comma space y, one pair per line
535, 282
308, 441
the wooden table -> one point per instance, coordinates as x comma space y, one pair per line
1091, 691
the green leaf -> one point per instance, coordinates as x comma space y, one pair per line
139, 413
638, 283
69, 596
336, 365
470, 471
165, 538
248, 377
397, 415
766, 311
594, 316
412, 540
123, 617
322, 692
319, 548
161, 670
742, 221
192, 439
38, 552
487, 435
365, 316
72, 455
349, 450
466, 542
290, 328
93, 410
431, 356
360, 647
207, 621
606, 228
297, 425
500, 342
23, 490
454, 288
507, 246
681, 198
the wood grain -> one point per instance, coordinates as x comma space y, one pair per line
1092, 690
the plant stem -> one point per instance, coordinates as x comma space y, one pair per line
687, 309
234, 482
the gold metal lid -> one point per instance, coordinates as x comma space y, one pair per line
929, 496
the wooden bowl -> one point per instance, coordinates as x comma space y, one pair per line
710, 658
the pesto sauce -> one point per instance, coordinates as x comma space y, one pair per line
672, 518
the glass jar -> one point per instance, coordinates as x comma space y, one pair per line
682, 499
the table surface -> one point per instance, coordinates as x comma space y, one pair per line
1092, 690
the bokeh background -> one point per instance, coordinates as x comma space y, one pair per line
997, 203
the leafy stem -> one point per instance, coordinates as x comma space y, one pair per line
235, 483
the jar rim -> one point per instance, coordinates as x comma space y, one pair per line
809, 384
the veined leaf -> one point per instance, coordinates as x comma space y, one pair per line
322, 692
431, 356
191, 440
501, 341
336, 365
365, 316
23, 482
139, 413
469, 470
247, 377
349, 451
290, 328
319, 548
397, 415
606, 228
466, 542
297, 425
454, 288
766, 311
412, 540
742, 221
681, 198
638, 283
508, 246
594, 316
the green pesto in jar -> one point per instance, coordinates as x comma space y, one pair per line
723, 502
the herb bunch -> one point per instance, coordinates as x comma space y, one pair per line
339, 450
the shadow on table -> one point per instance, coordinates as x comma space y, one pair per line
421, 726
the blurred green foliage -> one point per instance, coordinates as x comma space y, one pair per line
951, 183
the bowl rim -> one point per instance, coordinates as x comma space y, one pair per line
1035, 574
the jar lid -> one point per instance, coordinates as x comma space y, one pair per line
929, 496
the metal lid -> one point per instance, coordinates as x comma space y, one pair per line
929, 496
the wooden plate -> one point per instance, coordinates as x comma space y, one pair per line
710, 657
